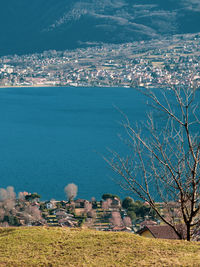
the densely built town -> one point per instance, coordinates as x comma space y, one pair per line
158, 63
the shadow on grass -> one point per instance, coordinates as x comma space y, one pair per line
6, 231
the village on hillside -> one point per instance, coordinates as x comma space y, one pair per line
108, 214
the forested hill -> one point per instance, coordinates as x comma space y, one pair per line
34, 26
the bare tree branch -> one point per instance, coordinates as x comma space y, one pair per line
168, 160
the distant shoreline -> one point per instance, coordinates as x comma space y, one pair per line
29, 86
58, 86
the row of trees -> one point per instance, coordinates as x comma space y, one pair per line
14, 210
138, 209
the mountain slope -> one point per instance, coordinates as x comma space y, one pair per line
36, 246
35, 26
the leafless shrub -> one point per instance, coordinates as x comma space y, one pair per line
7, 202
71, 191
87, 206
127, 221
116, 219
32, 214
21, 195
106, 204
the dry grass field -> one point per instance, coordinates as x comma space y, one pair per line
41, 246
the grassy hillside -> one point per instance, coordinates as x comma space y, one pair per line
75, 247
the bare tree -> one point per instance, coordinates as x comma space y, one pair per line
7, 193
127, 221
87, 206
7, 200
32, 214
2, 213
164, 165
71, 191
22, 195
116, 219
106, 204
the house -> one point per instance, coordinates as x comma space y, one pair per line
158, 231
196, 235
80, 203
59, 210
52, 220
111, 204
121, 229
116, 204
68, 222
61, 214
147, 223
50, 205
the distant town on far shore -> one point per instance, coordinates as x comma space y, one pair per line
156, 63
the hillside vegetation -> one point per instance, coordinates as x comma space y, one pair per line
35, 26
37, 246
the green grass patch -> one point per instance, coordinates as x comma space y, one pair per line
42, 246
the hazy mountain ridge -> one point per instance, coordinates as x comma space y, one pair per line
35, 26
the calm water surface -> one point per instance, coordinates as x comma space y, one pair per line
54, 136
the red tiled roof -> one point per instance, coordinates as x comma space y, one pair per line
148, 222
160, 231
80, 200
118, 228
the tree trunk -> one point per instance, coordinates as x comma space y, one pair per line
188, 232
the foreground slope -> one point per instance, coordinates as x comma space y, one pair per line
75, 247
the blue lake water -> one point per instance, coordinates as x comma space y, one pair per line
54, 136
